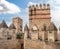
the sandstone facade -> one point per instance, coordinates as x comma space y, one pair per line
18, 24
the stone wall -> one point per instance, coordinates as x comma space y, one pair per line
33, 44
37, 44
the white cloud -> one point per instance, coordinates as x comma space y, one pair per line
31, 3
11, 8
57, 1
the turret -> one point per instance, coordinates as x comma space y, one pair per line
33, 10
44, 6
37, 6
40, 6
29, 7
48, 6
33, 7
30, 11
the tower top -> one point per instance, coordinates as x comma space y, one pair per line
38, 10
41, 6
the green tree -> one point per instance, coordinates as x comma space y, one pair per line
20, 36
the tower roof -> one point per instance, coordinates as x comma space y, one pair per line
12, 26
52, 27
3, 24
26, 27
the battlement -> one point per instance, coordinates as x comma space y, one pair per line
39, 11
41, 6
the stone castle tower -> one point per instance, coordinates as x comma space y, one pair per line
18, 24
41, 29
40, 20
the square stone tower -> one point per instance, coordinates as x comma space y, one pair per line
39, 16
18, 24
42, 33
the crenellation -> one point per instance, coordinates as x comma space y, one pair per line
44, 6
29, 8
42, 9
37, 7
40, 6
30, 11
33, 7
48, 6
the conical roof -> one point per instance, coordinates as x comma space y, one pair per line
26, 27
3, 24
12, 26
52, 26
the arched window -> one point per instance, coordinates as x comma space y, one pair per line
35, 28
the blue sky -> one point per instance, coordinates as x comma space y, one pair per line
20, 8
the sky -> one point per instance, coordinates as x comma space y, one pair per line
13, 8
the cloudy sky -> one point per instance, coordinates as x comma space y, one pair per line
13, 8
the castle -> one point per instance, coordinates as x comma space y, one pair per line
41, 33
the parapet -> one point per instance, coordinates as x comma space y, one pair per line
44, 6
39, 9
48, 6
37, 6
41, 6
